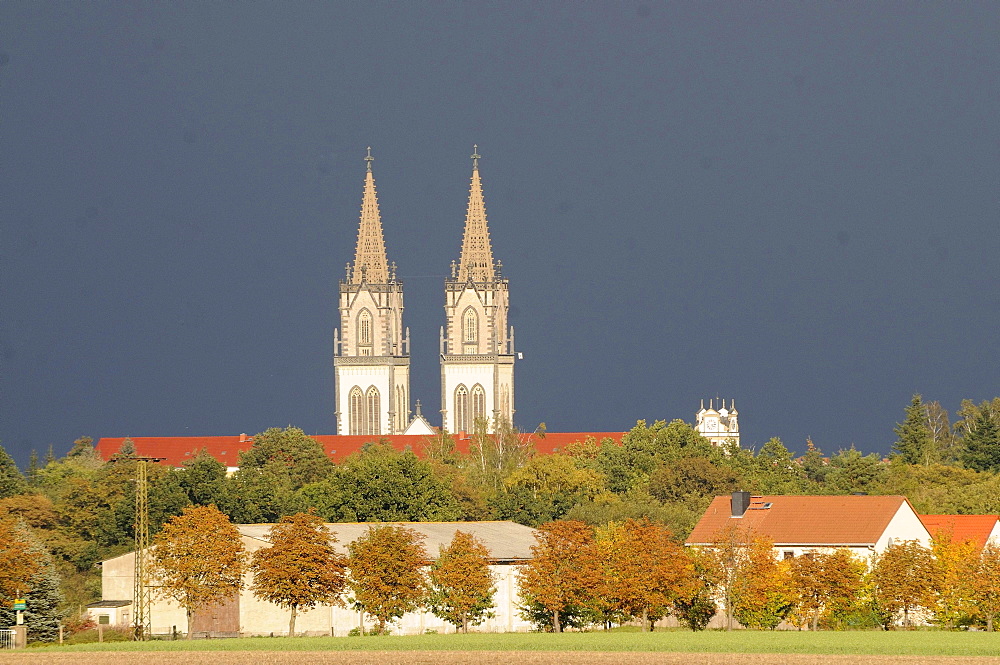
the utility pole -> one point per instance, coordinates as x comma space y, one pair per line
141, 600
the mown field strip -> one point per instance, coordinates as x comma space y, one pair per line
916, 643
36, 657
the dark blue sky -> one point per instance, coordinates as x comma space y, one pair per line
792, 204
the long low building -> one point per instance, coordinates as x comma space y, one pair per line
509, 544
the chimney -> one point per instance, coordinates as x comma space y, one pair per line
243, 437
740, 503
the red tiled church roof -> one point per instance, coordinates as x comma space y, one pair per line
177, 450
976, 528
803, 520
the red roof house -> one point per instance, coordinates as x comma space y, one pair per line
177, 450
797, 523
980, 529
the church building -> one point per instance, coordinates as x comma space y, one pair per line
371, 347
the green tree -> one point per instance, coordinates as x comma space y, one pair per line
288, 453
381, 484
386, 572
203, 479
982, 445
198, 559
494, 456
254, 495
11, 480
696, 608
461, 583
544, 488
987, 585
914, 443
33, 467
850, 472
84, 446
301, 568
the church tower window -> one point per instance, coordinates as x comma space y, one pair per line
470, 330
478, 403
462, 409
357, 415
365, 333
372, 417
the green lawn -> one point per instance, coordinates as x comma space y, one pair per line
924, 643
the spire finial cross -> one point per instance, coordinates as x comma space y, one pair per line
475, 157
369, 159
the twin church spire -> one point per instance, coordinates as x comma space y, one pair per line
371, 353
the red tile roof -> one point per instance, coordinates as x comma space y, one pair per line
803, 520
976, 528
177, 450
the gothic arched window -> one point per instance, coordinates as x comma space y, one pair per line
365, 333
470, 326
373, 418
461, 409
478, 402
356, 414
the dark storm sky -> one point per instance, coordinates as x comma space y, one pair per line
792, 204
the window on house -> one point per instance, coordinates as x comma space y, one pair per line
104, 619
789, 554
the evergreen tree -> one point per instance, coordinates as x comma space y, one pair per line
914, 444
982, 445
82, 446
50, 456
42, 615
127, 448
11, 480
33, 468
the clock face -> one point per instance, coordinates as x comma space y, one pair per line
711, 425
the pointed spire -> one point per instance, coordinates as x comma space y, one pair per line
369, 257
476, 262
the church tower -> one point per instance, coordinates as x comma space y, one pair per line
370, 351
477, 347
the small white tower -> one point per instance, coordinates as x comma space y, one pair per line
718, 426
477, 347
371, 353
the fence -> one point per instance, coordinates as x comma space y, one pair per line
6, 639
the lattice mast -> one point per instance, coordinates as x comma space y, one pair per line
141, 619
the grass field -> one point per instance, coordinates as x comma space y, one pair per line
916, 643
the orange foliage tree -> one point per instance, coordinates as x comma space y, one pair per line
386, 572
565, 571
301, 568
726, 558
198, 559
462, 585
987, 585
645, 570
902, 580
955, 563
762, 594
17, 563
826, 583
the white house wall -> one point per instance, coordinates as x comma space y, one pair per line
904, 525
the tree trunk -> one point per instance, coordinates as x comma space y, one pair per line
381, 625
189, 615
291, 623
816, 620
989, 623
906, 617
645, 620
465, 623
555, 622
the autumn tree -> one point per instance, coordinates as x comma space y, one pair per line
986, 594
461, 583
826, 583
762, 595
955, 563
726, 557
198, 559
903, 579
645, 570
41, 592
301, 568
696, 608
17, 564
386, 572
565, 570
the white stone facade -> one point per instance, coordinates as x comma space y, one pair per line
718, 426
